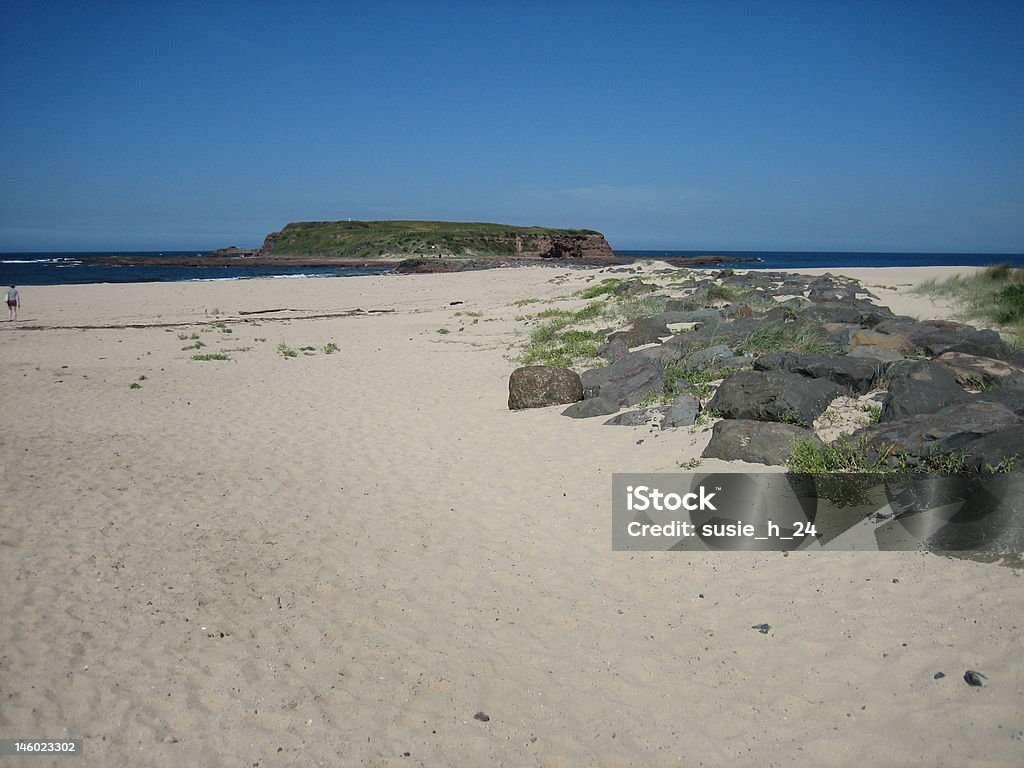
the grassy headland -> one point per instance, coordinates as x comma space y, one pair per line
376, 239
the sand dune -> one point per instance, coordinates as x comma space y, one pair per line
340, 559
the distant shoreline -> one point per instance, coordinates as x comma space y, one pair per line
72, 268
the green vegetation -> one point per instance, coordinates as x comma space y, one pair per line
845, 456
195, 345
330, 349
369, 239
553, 343
631, 308
549, 345
135, 385
994, 295
212, 356
721, 293
286, 351
605, 288
849, 456
699, 381
786, 337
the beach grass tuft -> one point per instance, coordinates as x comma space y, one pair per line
994, 295
787, 337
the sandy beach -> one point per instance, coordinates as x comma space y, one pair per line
362, 557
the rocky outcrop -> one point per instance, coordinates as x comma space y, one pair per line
587, 248
958, 403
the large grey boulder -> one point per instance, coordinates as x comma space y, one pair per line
758, 442
645, 330
773, 396
912, 440
880, 354
978, 371
920, 387
702, 358
984, 343
586, 409
627, 381
930, 337
537, 386
709, 315
1003, 450
615, 349
640, 418
682, 413
857, 374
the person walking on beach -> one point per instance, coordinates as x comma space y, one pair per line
13, 301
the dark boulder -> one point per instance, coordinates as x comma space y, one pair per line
692, 316
645, 330
682, 413
856, 374
594, 406
984, 343
627, 381
773, 396
879, 354
977, 371
641, 418
537, 386
912, 440
614, 350
1003, 450
633, 286
832, 291
930, 337
835, 313
702, 358
758, 442
920, 387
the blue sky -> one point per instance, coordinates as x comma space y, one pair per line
720, 125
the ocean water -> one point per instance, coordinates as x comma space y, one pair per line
68, 268
782, 260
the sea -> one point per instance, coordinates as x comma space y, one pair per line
70, 268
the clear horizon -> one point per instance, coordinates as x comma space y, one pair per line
742, 126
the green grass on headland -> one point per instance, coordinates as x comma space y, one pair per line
370, 239
994, 295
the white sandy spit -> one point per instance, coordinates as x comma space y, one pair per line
340, 559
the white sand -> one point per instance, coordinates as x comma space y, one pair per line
338, 559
